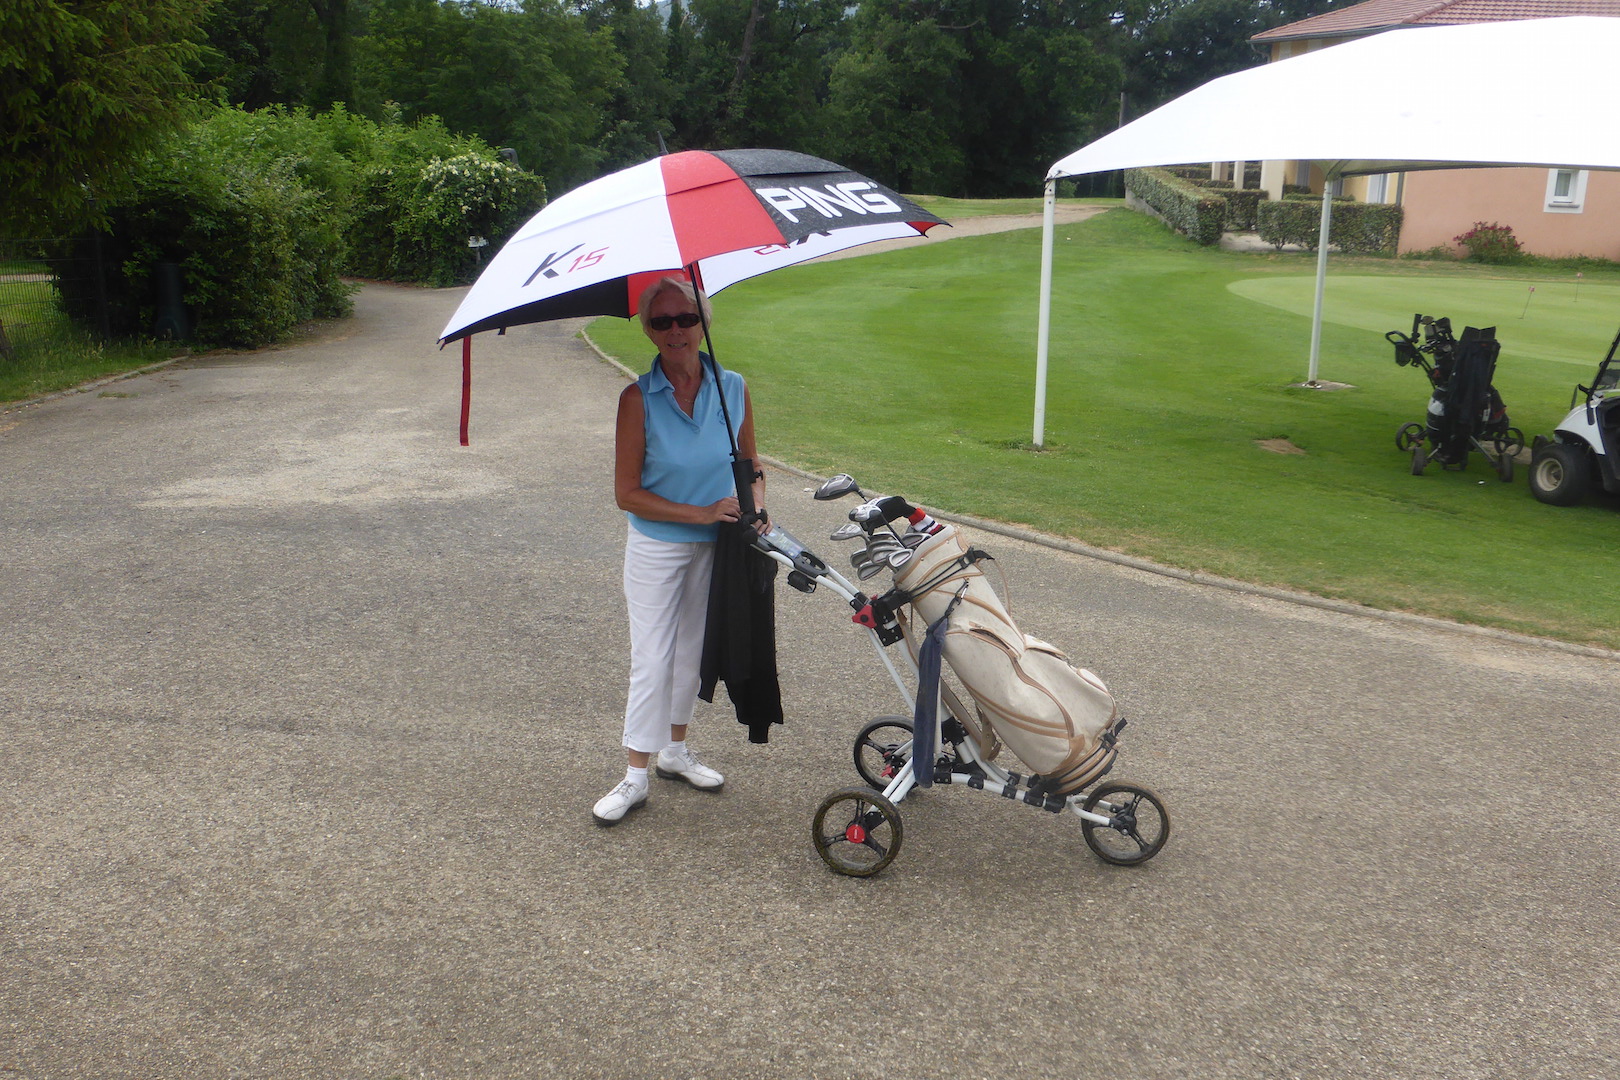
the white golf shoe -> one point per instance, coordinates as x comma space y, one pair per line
611, 808
677, 762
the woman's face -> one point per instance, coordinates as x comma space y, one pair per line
678, 344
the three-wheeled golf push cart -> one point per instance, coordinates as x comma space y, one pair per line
1021, 694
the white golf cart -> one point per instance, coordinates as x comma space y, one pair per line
1585, 447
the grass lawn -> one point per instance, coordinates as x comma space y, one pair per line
1170, 366
60, 364
49, 352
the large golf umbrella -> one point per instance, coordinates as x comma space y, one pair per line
715, 218
1516, 92
732, 214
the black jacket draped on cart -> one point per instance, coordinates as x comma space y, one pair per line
739, 642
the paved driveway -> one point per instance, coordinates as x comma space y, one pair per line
303, 706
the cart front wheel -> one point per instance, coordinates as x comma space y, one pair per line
856, 832
1407, 435
1420, 458
1138, 827
1504, 466
882, 749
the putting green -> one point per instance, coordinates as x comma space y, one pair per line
1566, 322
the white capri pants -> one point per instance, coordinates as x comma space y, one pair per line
666, 588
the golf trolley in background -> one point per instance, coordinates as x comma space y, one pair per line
945, 740
1465, 411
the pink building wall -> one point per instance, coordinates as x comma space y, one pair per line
1445, 203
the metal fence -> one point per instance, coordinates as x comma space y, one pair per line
52, 291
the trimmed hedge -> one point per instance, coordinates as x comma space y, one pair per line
258, 248
1243, 207
1185, 207
262, 211
1357, 228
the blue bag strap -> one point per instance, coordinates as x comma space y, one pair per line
925, 712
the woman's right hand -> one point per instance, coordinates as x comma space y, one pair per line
724, 510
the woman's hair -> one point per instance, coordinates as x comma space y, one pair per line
671, 283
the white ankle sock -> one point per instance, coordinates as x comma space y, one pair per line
635, 776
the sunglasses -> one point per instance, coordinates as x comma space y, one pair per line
685, 320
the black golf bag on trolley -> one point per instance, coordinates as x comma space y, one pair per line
1056, 718
1465, 412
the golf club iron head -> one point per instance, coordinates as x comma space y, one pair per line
870, 570
899, 558
883, 542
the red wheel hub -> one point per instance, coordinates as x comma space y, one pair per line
855, 834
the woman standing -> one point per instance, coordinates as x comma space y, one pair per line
672, 475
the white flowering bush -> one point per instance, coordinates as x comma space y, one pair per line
421, 218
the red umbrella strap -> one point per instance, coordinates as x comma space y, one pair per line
466, 385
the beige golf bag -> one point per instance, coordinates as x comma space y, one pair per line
1049, 713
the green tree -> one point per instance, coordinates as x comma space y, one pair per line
757, 73
336, 82
638, 110
536, 78
1174, 46
892, 110
85, 87
281, 52
978, 97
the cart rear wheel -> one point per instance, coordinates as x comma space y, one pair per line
856, 832
881, 749
1140, 825
1559, 473
1504, 466
1408, 435
1420, 458
1511, 443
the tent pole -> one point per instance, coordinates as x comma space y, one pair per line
1321, 279
1043, 326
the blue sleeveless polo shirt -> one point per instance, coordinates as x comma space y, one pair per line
688, 458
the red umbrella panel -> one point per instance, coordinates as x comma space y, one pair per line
730, 214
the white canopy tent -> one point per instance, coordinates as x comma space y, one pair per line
1537, 92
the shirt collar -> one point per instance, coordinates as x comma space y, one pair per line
660, 382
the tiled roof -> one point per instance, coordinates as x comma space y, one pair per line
1375, 15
